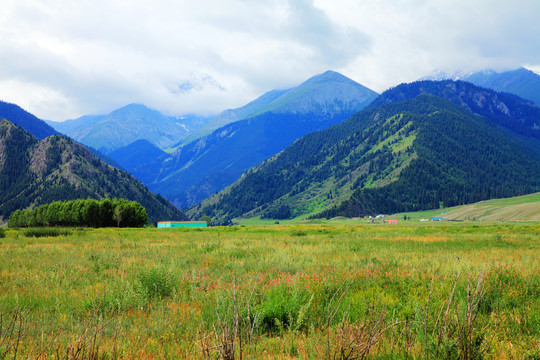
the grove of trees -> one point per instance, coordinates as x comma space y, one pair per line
87, 213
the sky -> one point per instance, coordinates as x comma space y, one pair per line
62, 59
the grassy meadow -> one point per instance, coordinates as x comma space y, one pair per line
434, 291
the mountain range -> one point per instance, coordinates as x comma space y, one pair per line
417, 146
126, 125
521, 82
274, 121
34, 172
517, 117
323, 94
327, 147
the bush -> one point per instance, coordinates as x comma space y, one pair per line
299, 233
156, 282
2, 233
284, 309
45, 232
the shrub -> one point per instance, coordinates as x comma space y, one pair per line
2, 233
285, 308
44, 232
156, 282
299, 233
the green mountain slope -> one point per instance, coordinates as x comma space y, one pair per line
517, 117
34, 172
402, 156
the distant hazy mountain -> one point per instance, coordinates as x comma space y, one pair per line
318, 94
35, 172
122, 127
417, 152
521, 82
72, 126
232, 115
133, 155
27, 121
276, 120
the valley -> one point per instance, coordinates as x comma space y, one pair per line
203, 168
241, 180
307, 266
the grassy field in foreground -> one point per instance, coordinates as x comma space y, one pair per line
308, 291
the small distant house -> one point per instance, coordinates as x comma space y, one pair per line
189, 224
390, 221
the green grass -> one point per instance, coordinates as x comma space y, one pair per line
46, 232
288, 291
519, 208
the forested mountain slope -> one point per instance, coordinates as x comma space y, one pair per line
35, 172
402, 156
505, 110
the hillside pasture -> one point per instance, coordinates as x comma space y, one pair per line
521, 208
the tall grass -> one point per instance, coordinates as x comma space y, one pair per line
340, 292
46, 232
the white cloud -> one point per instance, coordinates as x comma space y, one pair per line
63, 59
413, 38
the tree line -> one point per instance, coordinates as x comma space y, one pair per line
86, 213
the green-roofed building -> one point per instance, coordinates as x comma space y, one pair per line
189, 224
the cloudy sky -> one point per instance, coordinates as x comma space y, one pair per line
65, 58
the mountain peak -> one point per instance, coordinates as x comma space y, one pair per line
326, 93
133, 107
329, 76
